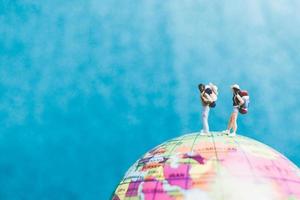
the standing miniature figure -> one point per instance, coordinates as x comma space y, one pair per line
208, 96
240, 105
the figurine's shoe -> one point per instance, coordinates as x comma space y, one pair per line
205, 133
226, 132
232, 134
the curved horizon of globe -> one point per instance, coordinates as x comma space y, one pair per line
217, 167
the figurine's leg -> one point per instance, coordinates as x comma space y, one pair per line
234, 121
205, 113
229, 126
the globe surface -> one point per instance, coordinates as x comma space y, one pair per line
195, 167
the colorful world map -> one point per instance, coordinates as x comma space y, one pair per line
195, 167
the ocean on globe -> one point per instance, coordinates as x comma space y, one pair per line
195, 167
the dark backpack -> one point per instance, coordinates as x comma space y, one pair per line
243, 110
213, 104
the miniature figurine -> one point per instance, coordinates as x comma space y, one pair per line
208, 96
240, 105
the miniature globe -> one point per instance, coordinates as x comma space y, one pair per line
195, 167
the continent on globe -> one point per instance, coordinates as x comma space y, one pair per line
193, 167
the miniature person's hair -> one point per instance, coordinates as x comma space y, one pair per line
201, 87
235, 90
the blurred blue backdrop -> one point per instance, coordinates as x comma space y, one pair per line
88, 86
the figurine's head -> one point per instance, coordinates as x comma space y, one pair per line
235, 88
201, 87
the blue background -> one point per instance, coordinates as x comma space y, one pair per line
87, 87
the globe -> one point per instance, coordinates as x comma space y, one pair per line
195, 167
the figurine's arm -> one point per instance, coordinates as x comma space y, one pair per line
206, 98
213, 97
240, 99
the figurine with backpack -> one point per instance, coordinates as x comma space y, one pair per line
208, 96
240, 101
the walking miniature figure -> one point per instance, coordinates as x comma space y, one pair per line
208, 96
240, 105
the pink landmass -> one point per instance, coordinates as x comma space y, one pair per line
177, 176
153, 190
